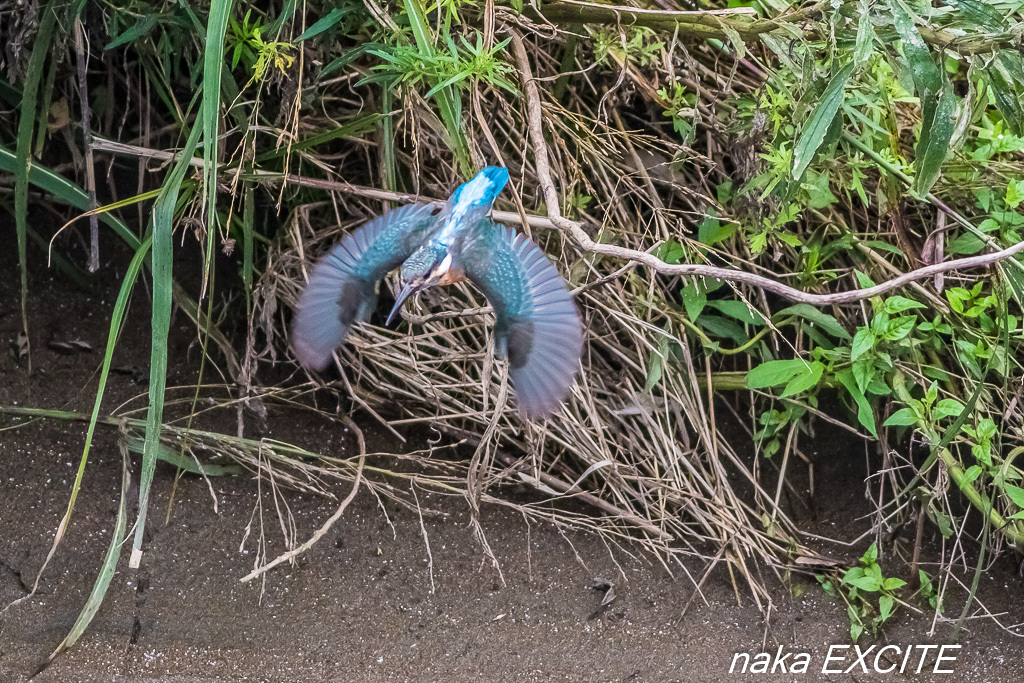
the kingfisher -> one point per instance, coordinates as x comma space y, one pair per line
537, 327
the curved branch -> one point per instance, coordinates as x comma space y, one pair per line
583, 240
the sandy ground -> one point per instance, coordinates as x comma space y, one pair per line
367, 604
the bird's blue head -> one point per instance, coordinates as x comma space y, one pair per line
473, 199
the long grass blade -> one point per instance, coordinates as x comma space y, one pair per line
116, 321
21, 172
107, 569
162, 227
213, 66
448, 103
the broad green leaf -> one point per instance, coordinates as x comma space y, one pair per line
738, 310
904, 417
804, 381
898, 328
898, 304
819, 121
864, 413
865, 583
979, 14
1007, 99
971, 473
694, 299
775, 373
863, 342
1014, 493
919, 57
893, 583
864, 372
724, 328
947, 407
713, 230
825, 321
885, 604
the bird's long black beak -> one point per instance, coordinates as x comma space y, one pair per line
402, 296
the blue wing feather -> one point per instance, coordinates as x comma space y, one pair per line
538, 325
343, 286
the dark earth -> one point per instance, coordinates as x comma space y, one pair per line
360, 606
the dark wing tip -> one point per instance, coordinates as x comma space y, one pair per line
545, 344
327, 308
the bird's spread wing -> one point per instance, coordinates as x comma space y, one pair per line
343, 286
537, 322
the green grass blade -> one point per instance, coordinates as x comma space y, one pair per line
69, 193
25, 125
387, 138
213, 65
107, 569
115, 328
162, 225
448, 103
99, 590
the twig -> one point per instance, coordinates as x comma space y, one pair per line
90, 168
291, 554
584, 242
555, 220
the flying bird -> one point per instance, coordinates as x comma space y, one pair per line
537, 325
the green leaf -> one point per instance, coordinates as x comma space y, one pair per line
654, 372
820, 120
449, 105
865, 583
863, 371
971, 474
865, 34
804, 381
898, 304
947, 407
898, 328
775, 373
694, 299
863, 342
1014, 493
823, 320
904, 417
863, 280
738, 310
323, 24
724, 328
940, 123
141, 28
864, 413
870, 556
885, 604
967, 243
922, 67
712, 231
1007, 99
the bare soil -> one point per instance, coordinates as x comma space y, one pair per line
361, 605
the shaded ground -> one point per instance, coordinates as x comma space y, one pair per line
360, 605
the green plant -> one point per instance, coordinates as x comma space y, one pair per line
870, 597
